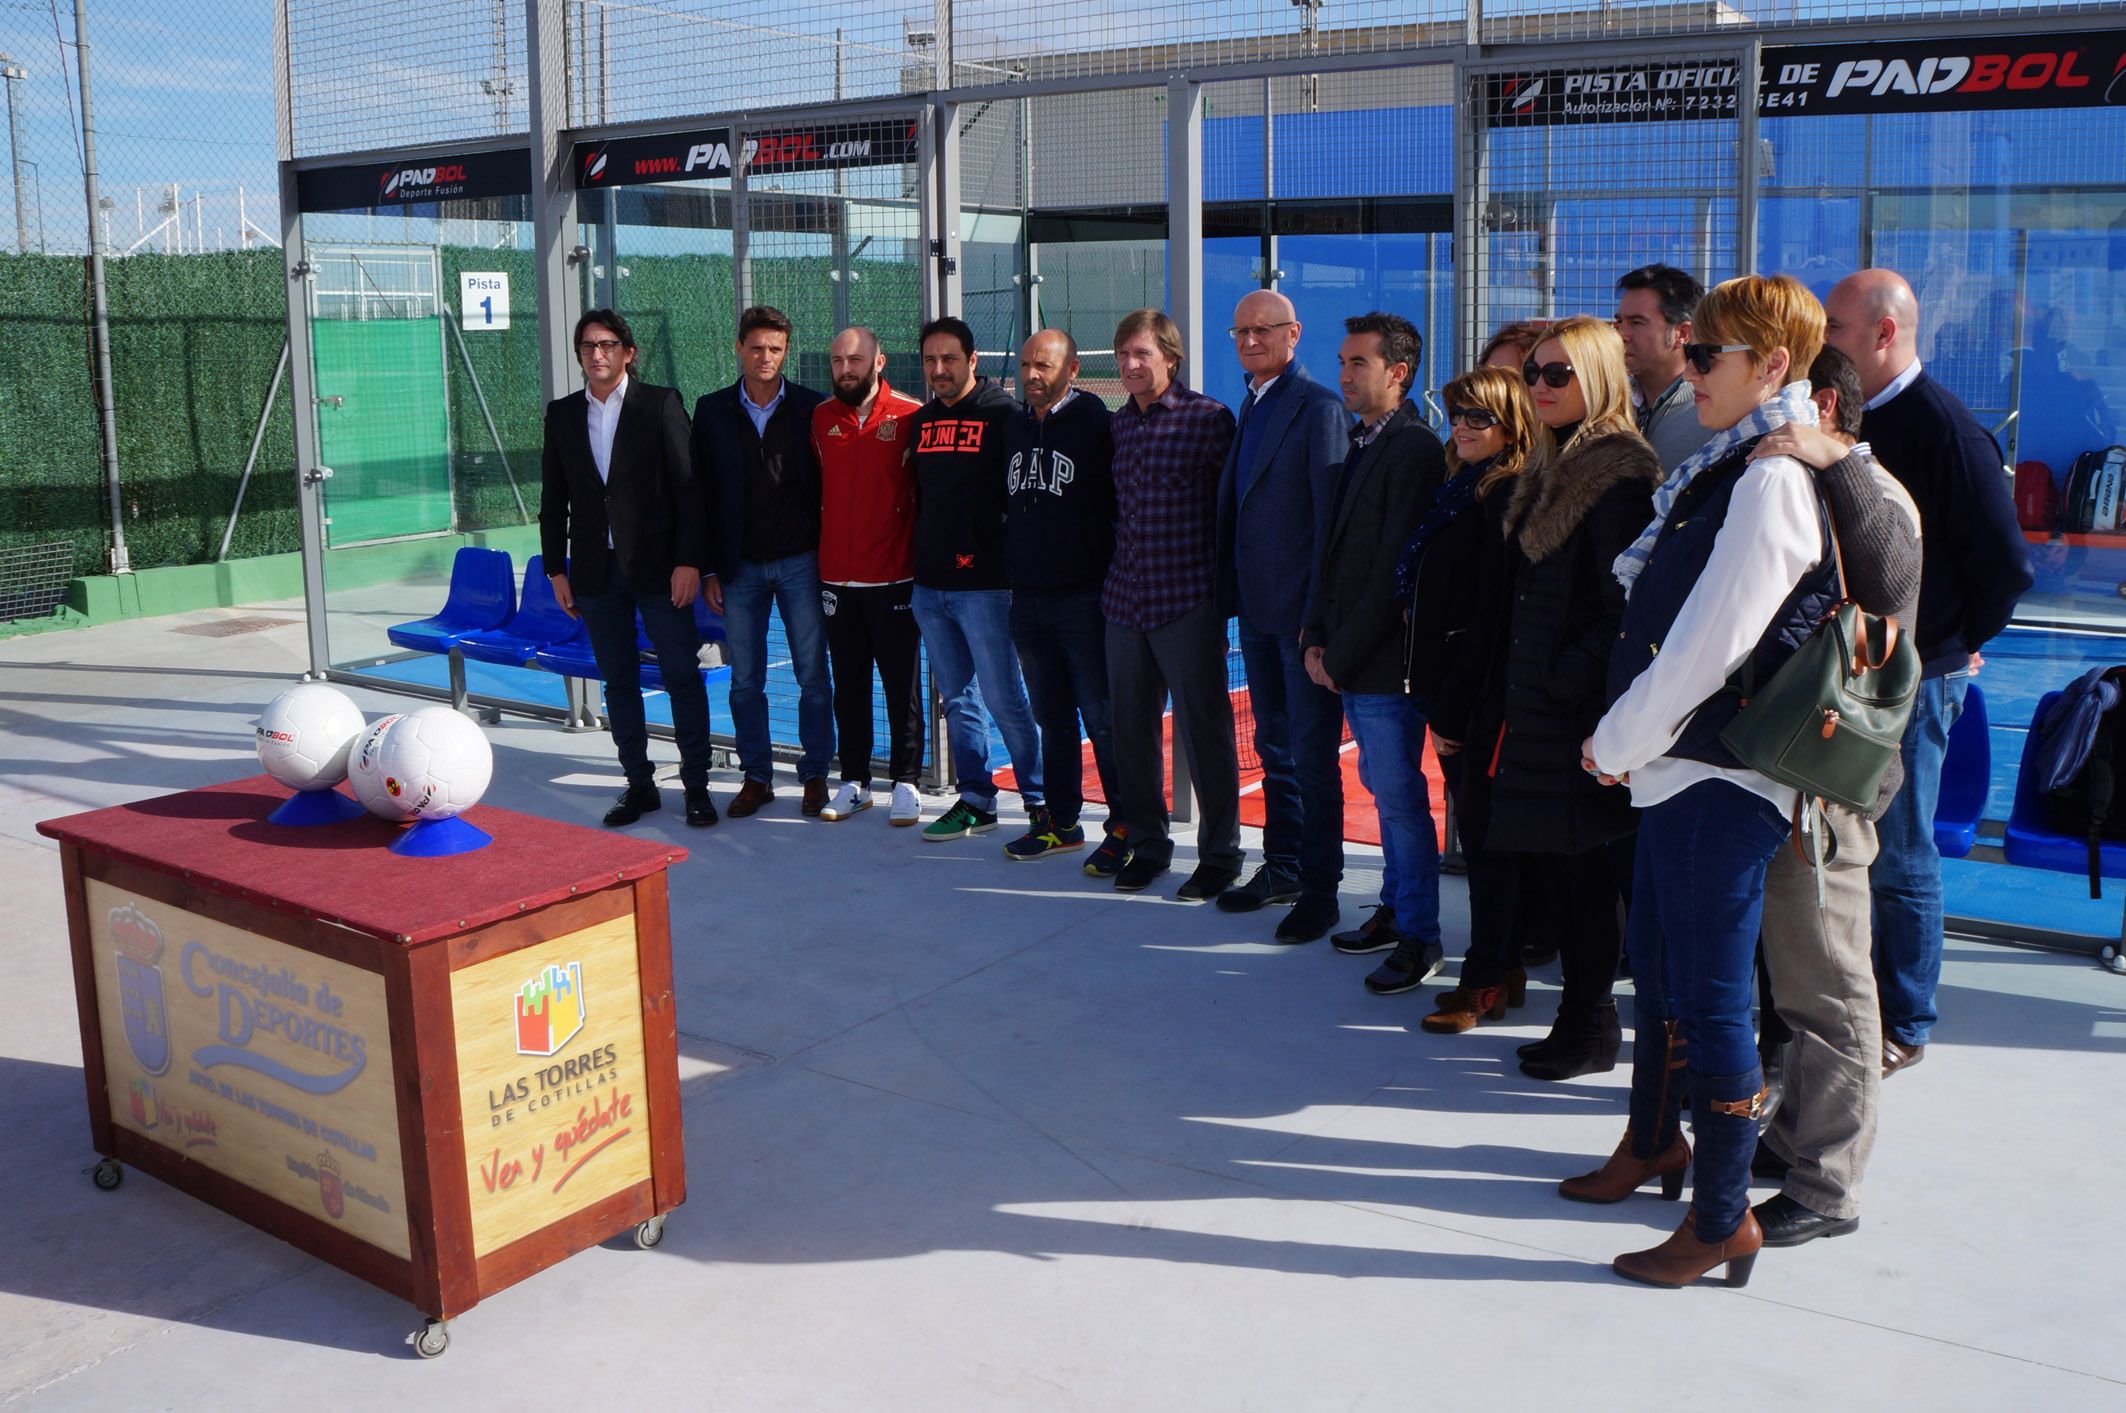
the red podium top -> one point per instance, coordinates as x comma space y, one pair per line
218, 837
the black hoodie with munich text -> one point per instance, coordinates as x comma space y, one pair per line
958, 455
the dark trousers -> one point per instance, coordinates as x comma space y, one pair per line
610, 616
871, 627
1187, 657
1496, 882
1590, 891
1299, 736
1062, 643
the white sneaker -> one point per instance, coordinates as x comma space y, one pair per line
907, 805
850, 798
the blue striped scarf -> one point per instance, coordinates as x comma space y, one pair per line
1790, 404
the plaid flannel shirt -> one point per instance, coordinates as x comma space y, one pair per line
1167, 462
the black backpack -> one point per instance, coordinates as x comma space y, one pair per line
2088, 806
2096, 488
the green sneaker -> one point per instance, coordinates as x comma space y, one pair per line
958, 822
1043, 837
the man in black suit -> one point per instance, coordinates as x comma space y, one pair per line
621, 513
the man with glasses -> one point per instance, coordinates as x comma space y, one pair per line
623, 534
1654, 308
1274, 502
753, 445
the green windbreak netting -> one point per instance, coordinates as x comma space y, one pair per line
382, 427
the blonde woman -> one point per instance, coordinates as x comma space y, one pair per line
1569, 519
1731, 573
1456, 577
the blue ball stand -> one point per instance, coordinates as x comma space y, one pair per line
440, 838
308, 807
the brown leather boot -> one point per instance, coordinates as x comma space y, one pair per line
1682, 1259
1624, 1174
1460, 1009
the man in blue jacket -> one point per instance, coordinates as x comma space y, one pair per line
1974, 565
1274, 502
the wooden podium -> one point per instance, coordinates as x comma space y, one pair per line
439, 1074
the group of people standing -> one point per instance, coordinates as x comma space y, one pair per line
1633, 520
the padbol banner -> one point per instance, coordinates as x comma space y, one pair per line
706, 152
1921, 76
460, 177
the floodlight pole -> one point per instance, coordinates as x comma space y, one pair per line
106, 406
12, 75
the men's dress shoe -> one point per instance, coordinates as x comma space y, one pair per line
1270, 884
634, 802
1788, 1223
1206, 883
751, 796
1311, 917
701, 810
815, 796
1138, 873
1681, 1259
1896, 1055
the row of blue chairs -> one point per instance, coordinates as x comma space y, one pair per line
485, 618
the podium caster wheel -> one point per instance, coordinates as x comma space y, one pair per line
432, 1340
107, 1174
650, 1233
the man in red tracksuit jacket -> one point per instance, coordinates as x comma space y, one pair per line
867, 571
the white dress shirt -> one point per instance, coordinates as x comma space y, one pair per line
1897, 385
604, 420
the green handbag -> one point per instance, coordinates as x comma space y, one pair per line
1830, 720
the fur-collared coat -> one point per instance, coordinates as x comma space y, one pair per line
1570, 521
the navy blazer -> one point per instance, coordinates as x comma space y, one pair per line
1270, 536
722, 433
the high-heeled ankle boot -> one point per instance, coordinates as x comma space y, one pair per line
1461, 1008
1590, 1047
1653, 1144
1683, 1258
1720, 1229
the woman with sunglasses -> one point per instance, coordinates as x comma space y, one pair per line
1455, 577
1569, 518
1727, 579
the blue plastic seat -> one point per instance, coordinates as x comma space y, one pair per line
1966, 775
483, 594
539, 623
2032, 841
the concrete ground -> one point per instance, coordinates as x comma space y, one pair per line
964, 1133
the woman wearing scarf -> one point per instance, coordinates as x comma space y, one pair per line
1455, 580
1732, 571
1569, 517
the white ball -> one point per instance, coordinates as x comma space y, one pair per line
304, 735
365, 772
435, 763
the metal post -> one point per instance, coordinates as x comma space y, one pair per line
1268, 239
1748, 88
106, 405
949, 214
928, 225
741, 228
473, 375
1184, 279
12, 75
258, 439
554, 244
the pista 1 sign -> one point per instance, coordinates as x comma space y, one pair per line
1921, 76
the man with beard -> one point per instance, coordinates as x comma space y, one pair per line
867, 571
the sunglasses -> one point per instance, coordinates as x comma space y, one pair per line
1702, 356
1555, 374
1476, 419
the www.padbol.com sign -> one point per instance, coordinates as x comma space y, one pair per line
692, 156
1921, 76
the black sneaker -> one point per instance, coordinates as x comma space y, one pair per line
1375, 934
1113, 853
1138, 873
1206, 883
1043, 837
1406, 968
1311, 917
1270, 884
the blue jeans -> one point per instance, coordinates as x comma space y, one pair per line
791, 586
609, 617
1391, 743
1062, 643
968, 636
1906, 876
1298, 735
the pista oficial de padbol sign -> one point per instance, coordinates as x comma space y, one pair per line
550, 1074
266, 1063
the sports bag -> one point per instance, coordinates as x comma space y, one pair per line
2094, 489
1830, 720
